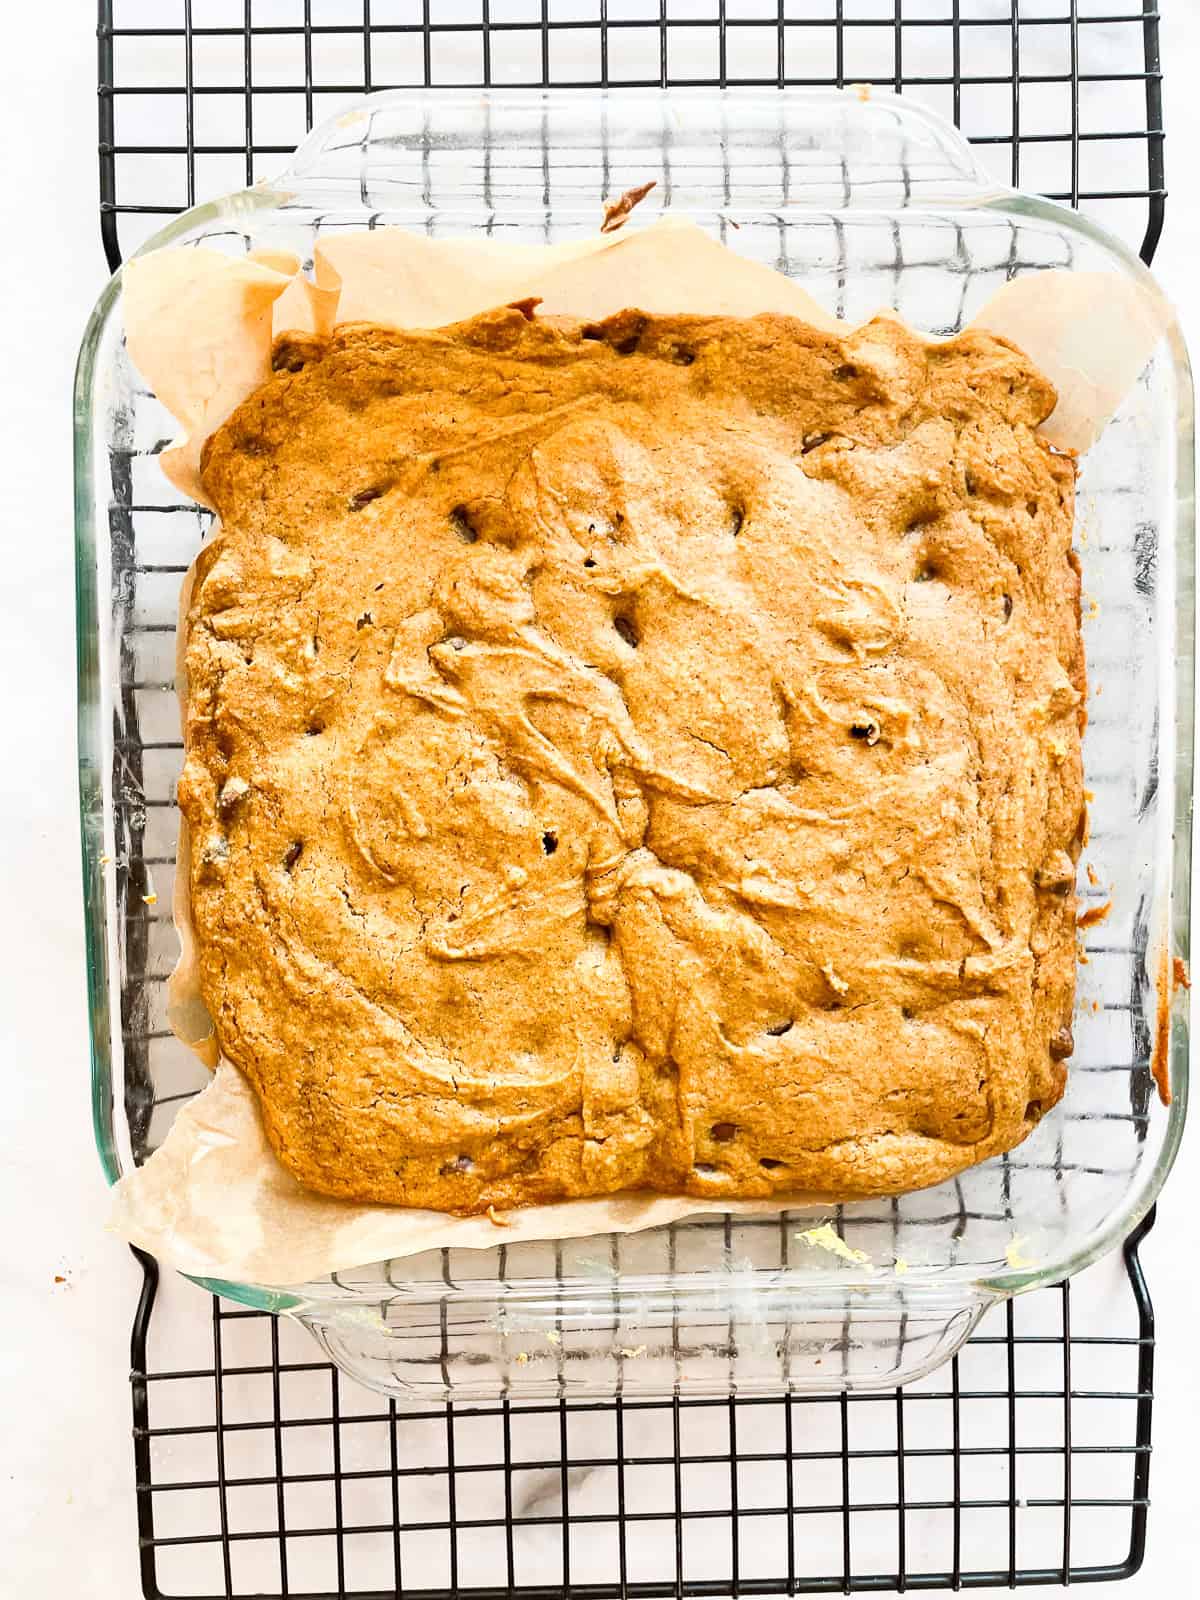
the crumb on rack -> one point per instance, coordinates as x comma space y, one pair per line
900, 1266
1012, 1253
522, 1358
1160, 1059
1180, 970
1093, 877
553, 1336
632, 1355
496, 1219
150, 899
616, 211
105, 860
825, 1237
1093, 915
863, 91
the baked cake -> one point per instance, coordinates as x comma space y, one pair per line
638, 755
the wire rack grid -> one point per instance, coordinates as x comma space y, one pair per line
198, 97
260, 1470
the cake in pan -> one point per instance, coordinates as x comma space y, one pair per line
642, 754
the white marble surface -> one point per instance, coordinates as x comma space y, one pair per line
66, 1491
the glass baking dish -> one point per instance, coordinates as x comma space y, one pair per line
866, 201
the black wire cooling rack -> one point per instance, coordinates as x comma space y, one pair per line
260, 1470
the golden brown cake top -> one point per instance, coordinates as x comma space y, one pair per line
638, 755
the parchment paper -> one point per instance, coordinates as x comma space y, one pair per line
213, 1200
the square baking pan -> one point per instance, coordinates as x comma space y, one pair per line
867, 201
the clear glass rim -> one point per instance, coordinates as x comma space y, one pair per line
247, 205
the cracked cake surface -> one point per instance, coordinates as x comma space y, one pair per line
637, 755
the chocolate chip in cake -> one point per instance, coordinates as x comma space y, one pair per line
624, 626
625, 331
216, 851
364, 497
460, 521
920, 519
778, 1029
867, 731
233, 792
1056, 874
294, 851
723, 1132
1062, 1045
294, 354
